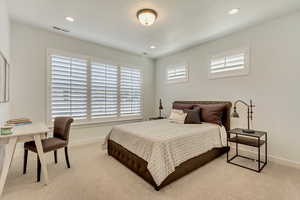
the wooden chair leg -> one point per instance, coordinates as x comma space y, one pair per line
38, 169
67, 157
55, 156
25, 161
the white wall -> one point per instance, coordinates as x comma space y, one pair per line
273, 82
5, 49
28, 95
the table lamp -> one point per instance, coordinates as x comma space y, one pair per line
160, 108
235, 114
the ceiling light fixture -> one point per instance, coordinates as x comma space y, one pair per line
233, 11
70, 19
147, 16
152, 47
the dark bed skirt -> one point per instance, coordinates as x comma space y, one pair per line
139, 165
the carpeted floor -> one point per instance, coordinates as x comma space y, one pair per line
94, 175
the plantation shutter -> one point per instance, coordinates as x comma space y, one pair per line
68, 87
228, 63
104, 90
177, 73
130, 92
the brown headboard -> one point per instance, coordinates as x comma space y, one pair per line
227, 111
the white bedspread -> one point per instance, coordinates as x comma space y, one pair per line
165, 145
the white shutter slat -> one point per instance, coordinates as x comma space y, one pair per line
69, 87
104, 90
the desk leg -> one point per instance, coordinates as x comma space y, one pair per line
9, 153
39, 147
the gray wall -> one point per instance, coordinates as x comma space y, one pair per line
273, 82
29, 48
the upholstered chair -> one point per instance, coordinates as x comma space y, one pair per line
59, 140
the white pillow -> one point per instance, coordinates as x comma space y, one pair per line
177, 116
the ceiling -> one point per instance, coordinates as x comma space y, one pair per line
180, 24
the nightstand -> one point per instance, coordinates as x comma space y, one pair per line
156, 118
256, 139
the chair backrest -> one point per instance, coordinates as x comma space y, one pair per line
62, 127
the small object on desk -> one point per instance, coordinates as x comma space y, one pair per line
19, 121
248, 139
250, 107
6, 130
24, 123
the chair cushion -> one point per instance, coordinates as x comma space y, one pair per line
49, 144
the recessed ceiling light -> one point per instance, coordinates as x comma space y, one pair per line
233, 11
70, 19
152, 47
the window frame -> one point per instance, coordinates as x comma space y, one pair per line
90, 60
234, 73
175, 66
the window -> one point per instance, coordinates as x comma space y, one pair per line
104, 90
131, 91
68, 87
233, 63
91, 91
177, 73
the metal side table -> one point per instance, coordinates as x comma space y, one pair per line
256, 139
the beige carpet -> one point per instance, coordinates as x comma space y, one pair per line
94, 175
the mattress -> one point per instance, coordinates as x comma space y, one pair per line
165, 145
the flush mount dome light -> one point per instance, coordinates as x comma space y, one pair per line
147, 16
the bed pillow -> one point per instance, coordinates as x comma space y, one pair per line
182, 106
211, 113
193, 116
177, 116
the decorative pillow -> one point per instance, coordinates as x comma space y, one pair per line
177, 116
182, 106
211, 113
193, 116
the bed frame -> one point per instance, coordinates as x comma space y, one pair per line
139, 165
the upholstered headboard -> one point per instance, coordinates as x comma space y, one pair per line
227, 111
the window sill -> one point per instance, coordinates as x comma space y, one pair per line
104, 122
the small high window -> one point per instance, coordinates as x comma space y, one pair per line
177, 73
232, 63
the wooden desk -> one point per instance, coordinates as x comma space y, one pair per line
25, 133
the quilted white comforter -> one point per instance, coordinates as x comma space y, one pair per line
165, 145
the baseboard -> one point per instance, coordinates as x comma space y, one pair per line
284, 161
272, 158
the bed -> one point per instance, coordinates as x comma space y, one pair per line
161, 152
